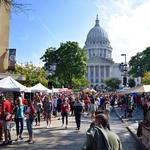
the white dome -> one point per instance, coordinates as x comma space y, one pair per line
97, 35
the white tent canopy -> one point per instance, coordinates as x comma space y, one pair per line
141, 89
9, 84
39, 88
138, 89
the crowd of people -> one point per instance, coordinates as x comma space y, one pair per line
62, 106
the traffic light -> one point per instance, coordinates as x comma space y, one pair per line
124, 81
50, 84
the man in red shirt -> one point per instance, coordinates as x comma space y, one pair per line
7, 113
1, 123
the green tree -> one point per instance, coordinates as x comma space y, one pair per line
16, 5
131, 82
146, 78
81, 82
139, 64
33, 74
70, 62
112, 83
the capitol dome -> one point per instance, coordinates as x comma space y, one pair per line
97, 35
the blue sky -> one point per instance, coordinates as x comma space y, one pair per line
50, 22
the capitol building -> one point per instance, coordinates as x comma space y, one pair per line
100, 64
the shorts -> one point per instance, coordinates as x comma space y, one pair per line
47, 115
7, 125
58, 109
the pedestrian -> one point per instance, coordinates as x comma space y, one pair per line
99, 137
19, 118
93, 107
65, 109
1, 122
30, 112
47, 110
38, 107
78, 108
7, 111
59, 104
101, 120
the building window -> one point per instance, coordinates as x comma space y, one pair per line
97, 71
93, 53
104, 52
102, 80
102, 71
91, 71
107, 71
97, 80
92, 80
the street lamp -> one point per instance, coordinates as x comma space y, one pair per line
125, 57
125, 70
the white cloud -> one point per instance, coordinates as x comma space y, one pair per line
127, 24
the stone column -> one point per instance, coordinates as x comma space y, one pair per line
4, 36
99, 74
89, 73
94, 79
104, 72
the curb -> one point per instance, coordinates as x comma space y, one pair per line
132, 131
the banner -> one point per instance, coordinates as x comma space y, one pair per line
11, 59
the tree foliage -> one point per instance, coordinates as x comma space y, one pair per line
112, 83
81, 82
146, 78
33, 74
69, 61
131, 82
16, 5
140, 63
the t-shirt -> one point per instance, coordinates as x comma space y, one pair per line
6, 106
19, 111
48, 107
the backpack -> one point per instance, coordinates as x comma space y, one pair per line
96, 139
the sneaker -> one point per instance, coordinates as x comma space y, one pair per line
30, 142
10, 142
20, 137
27, 141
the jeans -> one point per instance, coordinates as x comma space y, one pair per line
29, 122
19, 121
78, 119
37, 120
64, 114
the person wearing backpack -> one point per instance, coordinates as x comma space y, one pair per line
99, 137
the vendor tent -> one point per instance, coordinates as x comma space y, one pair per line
138, 89
9, 84
40, 88
141, 89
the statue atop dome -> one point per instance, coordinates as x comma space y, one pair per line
97, 21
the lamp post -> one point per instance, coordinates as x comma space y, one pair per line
125, 71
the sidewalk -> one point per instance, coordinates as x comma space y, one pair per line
55, 138
131, 123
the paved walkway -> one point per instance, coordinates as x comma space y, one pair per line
128, 141
59, 138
